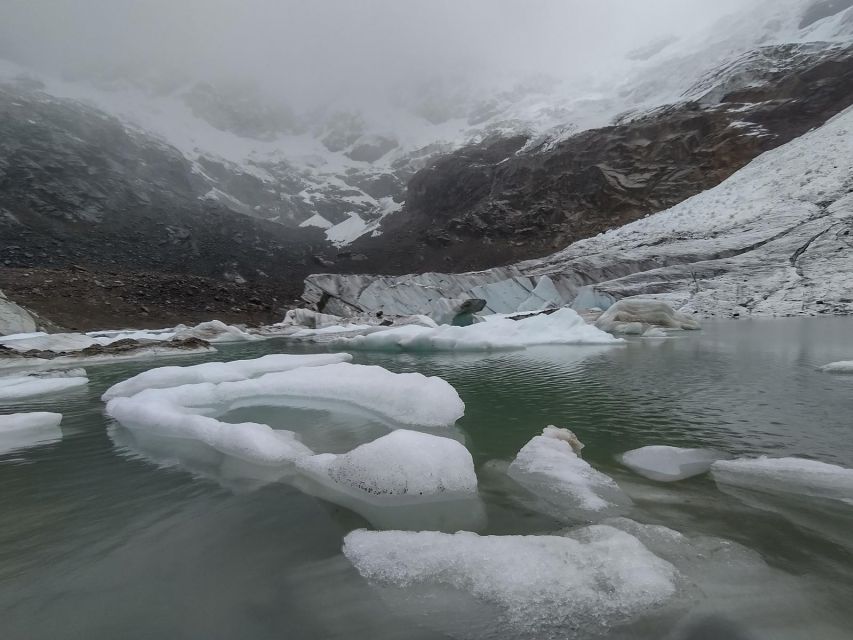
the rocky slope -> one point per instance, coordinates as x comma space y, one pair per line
502, 201
775, 238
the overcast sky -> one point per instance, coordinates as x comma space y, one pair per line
315, 48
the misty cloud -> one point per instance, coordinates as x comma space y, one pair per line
317, 51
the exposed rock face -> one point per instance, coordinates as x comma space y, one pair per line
776, 238
501, 201
79, 188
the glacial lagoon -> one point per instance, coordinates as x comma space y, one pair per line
108, 535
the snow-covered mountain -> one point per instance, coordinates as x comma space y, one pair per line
343, 168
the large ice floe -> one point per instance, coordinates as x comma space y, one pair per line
23, 430
563, 326
215, 372
472, 586
566, 486
185, 411
669, 464
812, 495
36, 384
402, 479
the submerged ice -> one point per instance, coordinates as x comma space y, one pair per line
23, 430
588, 579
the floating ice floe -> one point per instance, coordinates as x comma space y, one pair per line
216, 331
404, 480
402, 464
567, 486
590, 579
56, 342
812, 495
796, 476
184, 411
563, 326
163, 377
843, 366
636, 317
27, 386
668, 464
24, 430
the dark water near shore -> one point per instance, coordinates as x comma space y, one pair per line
98, 542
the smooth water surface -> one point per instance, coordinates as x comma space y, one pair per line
105, 537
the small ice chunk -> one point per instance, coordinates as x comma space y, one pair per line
216, 372
216, 331
55, 342
593, 578
404, 463
668, 464
564, 326
634, 317
26, 386
24, 430
796, 476
843, 366
550, 467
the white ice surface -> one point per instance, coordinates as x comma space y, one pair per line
842, 366
216, 331
20, 387
793, 476
564, 326
569, 487
23, 430
402, 464
593, 578
668, 464
409, 399
216, 372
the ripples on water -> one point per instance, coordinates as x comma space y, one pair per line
105, 537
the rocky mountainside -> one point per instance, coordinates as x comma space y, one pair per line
139, 197
503, 200
774, 239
